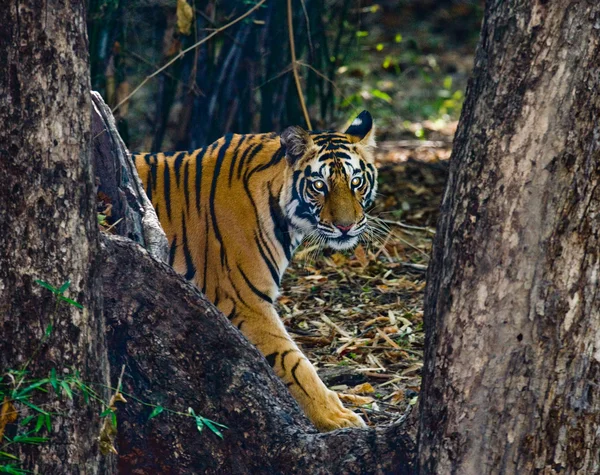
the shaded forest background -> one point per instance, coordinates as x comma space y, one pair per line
407, 61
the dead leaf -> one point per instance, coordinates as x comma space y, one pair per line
364, 388
8, 414
356, 400
361, 255
185, 15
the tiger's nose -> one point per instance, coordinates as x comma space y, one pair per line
343, 227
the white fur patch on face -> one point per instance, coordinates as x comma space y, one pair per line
357, 121
342, 245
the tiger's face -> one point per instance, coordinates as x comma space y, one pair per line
333, 181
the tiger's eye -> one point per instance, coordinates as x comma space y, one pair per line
356, 181
318, 185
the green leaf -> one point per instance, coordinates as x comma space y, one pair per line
27, 420
156, 411
212, 426
72, 302
67, 389
447, 82
26, 439
113, 419
85, 393
46, 285
381, 95
48, 331
33, 406
48, 423
106, 412
12, 469
54, 381
199, 423
8, 456
39, 424
362, 34
65, 286
31, 387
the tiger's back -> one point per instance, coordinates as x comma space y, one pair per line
206, 202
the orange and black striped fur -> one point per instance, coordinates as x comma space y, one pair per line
235, 211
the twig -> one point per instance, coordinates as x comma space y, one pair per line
310, 43
185, 51
295, 65
408, 226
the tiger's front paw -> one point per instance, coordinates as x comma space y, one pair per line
330, 414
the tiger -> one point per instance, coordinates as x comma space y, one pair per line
234, 213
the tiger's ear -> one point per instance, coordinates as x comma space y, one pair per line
295, 141
362, 130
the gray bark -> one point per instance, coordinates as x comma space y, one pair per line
48, 226
132, 212
512, 362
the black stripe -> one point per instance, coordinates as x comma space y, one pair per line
296, 379
198, 181
178, 161
205, 255
186, 180
157, 212
281, 226
213, 191
232, 315
234, 158
283, 355
189, 263
270, 264
172, 250
239, 325
149, 184
167, 190
154, 170
257, 292
239, 295
250, 154
275, 159
272, 358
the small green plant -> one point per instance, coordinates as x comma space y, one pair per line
19, 397
60, 292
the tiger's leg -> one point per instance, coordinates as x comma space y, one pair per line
322, 406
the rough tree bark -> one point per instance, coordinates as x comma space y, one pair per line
512, 311
48, 224
180, 352
119, 187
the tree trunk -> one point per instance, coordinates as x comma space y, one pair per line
180, 352
512, 305
48, 230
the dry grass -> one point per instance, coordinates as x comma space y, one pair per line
359, 316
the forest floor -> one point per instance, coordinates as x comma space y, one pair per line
359, 315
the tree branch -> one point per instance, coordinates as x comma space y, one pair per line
295, 65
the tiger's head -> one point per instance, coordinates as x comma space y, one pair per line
333, 181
